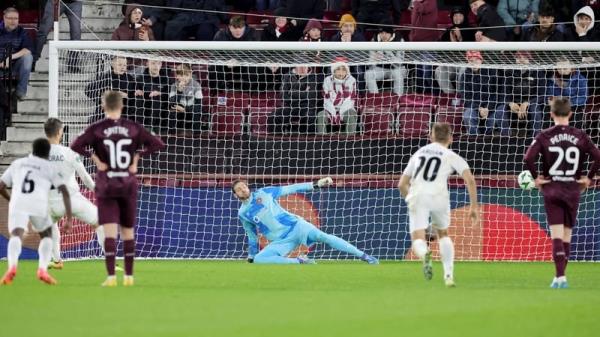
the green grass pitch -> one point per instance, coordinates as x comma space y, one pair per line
226, 298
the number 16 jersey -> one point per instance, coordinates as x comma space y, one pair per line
430, 167
31, 179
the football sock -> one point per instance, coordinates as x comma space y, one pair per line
55, 242
110, 252
567, 249
558, 255
100, 237
129, 254
419, 247
14, 250
447, 256
45, 252
340, 244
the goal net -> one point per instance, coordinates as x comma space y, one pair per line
282, 113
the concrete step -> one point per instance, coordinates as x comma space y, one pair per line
37, 92
6, 160
16, 134
33, 107
85, 35
94, 24
20, 120
104, 10
15, 149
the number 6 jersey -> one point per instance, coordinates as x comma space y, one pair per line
31, 179
430, 167
115, 142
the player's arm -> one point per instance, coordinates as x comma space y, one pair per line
303, 187
3, 191
472, 189
83, 173
5, 181
404, 185
252, 234
530, 161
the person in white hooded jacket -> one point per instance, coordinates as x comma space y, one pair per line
583, 27
339, 95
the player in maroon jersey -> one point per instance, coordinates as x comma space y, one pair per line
564, 150
117, 144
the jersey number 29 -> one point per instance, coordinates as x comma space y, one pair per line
431, 165
119, 159
570, 155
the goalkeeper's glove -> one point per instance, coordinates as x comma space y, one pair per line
323, 182
250, 259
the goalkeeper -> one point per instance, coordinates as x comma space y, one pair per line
260, 211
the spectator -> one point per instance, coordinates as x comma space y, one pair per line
583, 26
424, 14
546, 30
236, 30
203, 24
395, 70
131, 28
347, 32
377, 11
303, 9
479, 95
569, 82
301, 97
185, 103
153, 15
72, 9
516, 13
281, 29
524, 88
266, 5
21, 45
489, 22
460, 30
312, 31
151, 95
339, 93
116, 79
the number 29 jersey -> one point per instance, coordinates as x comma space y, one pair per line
31, 179
430, 167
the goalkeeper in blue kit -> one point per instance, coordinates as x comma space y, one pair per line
260, 212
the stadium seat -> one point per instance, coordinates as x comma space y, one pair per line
236, 99
226, 120
381, 101
378, 121
259, 117
414, 121
417, 100
265, 99
450, 115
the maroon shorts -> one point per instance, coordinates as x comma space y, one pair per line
561, 201
119, 210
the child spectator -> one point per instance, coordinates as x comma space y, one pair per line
312, 31
131, 28
152, 95
185, 102
339, 93
569, 82
395, 70
583, 27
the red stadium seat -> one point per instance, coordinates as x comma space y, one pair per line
417, 100
226, 120
259, 117
236, 99
265, 99
378, 121
380, 101
414, 121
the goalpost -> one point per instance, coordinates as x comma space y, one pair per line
254, 110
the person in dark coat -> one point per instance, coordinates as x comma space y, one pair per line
151, 95
546, 30
236, 30
491, 25
281, 29
131, 28
153, 15
459, 31
203, 24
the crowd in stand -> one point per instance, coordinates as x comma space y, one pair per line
173, 98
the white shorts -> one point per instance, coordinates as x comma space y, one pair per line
422, 208
82, 209
20, 220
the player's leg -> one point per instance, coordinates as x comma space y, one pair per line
128, 219
108, 217
43, 226
567, 232
86, 211
440, 219
276, 253
418, 221
316, 235
57, 211
17, 223
556, 215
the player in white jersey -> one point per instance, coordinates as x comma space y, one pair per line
424, 187
67, 162
31, 180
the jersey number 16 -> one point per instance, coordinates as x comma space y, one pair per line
119, 158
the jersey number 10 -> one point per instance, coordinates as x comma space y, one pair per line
431, 165
119, 158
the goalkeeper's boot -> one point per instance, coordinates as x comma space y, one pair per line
303, 259
449, 281
9, 276
110, 281
369, 259
42, 275
428, 266
56, 265
128, 281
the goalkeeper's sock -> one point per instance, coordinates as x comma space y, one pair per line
341, 245
447, 256
100, 237
14, 250
110, 252
419, 247
558, 255
129, 255
55, 243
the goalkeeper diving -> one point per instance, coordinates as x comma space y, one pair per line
261, 212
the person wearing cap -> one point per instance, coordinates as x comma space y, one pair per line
583, 28
312, 31
546, 30
347, 32
480, 92
281, 29
339, 95
491, 25
524, 98
392, 68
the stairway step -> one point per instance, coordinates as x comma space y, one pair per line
24, 134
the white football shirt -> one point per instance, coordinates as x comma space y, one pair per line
67, 162
430, 167
31, 179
